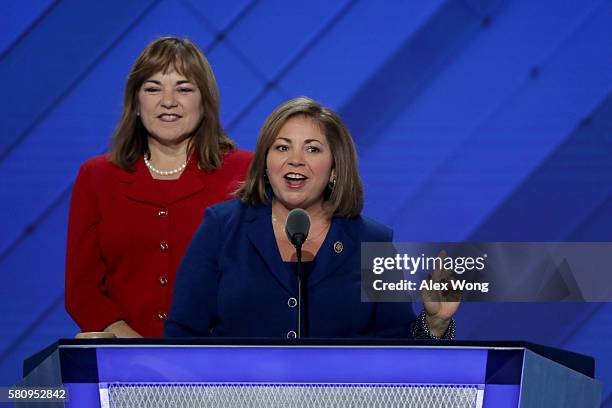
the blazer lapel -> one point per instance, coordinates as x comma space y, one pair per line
192, 181
142, 187
339, 245
261, 235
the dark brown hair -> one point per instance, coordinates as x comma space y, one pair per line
162, 55
346, 198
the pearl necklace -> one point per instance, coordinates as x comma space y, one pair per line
165, 172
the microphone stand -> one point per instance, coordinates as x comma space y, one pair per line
298, 250
296, 228
301, 326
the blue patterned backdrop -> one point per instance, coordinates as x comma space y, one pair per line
474, 120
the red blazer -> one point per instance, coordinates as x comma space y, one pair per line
127, 234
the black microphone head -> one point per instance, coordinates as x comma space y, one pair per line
298, 226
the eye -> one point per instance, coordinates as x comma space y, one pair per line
152, 89
186, 90
312, 149
282, 148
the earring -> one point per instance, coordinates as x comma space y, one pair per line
332, 184
137, 113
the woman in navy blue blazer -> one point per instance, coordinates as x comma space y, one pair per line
237, 277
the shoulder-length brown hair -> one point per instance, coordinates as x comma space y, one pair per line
345, 199
209, 141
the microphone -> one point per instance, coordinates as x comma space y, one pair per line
297, 228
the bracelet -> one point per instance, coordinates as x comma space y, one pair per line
420, 330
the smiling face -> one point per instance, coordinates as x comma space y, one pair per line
299, 165
170, 107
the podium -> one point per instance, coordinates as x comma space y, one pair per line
312, 373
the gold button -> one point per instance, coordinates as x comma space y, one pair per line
162, 316
163, 281
338, 247
163, 246
162, 213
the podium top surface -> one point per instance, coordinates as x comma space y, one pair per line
575, 361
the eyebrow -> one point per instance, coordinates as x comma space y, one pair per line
180, 82
305, 141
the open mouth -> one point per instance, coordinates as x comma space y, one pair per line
169, 117
295, 180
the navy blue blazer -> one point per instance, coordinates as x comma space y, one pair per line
233, 282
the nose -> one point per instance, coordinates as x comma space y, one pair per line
296, 158
168, 100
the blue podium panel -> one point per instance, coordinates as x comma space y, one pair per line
145, 373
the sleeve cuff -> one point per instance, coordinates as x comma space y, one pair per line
420, 330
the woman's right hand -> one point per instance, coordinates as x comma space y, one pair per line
122, 330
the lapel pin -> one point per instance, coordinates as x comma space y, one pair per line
338, 247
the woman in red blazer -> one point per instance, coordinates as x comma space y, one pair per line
133, 211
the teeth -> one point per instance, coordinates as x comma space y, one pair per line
295, 177
168, 116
